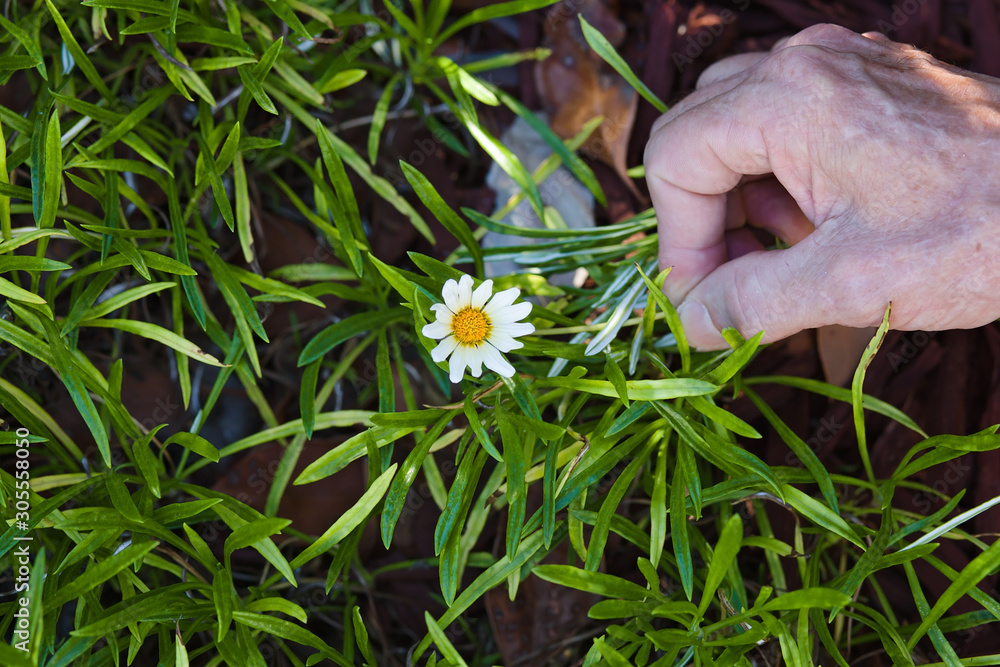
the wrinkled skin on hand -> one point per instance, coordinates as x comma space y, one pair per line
879, 163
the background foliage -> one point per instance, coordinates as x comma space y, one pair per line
132, 194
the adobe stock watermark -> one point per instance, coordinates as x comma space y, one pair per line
900, 13
908, 348
955, 471
22, 554
707, 34
828, 429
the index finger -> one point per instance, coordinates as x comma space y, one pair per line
692, 160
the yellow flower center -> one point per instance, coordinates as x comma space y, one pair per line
470, 327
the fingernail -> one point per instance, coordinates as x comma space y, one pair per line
701, 331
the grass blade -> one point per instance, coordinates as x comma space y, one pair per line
856, 393
604, 49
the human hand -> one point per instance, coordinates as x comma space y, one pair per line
883, 170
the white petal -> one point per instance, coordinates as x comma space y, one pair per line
512, 313
437, 329
442, 313
515, 329
501, 300
450, 294
456, 369
464, 292
495, 361
444, 348
474, 358
503, 342
482, 294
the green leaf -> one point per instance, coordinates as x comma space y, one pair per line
869, 561
476, 424
856, 391
17, 62
386, 385
716, 449
466, 478
213, 171
396, 497
242, 198
509, 162
28, 42
819, 514
493, 575
4, 196
801, 450
252, 84
23, 263
440, 639
243, 309
343, 79
267, 59
145, 462
679, 532
52, 174
361, 635
269, 286
96, 574
253, 532
604, 49
65, 365
307, 396
670, 313
12, 291
344, 206
616, 377
658, 505
610, 655
161, 600
347, 328
725, 552
119, 128
194, 443
637, 390
941, 644
573, 162
223, 594
288, 630
598, 583
722, 417
121, 500
516, 466
349, 520
120, 300
839, 394
599, 536
315, 271
379, 117
350, 450
739, 358
807, 598
159, 334
444, 213
490, 12
280, 605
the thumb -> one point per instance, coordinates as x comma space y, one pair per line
779, 292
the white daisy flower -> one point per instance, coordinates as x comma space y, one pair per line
475, 332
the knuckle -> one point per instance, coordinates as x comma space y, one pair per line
804, 64
820, 33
